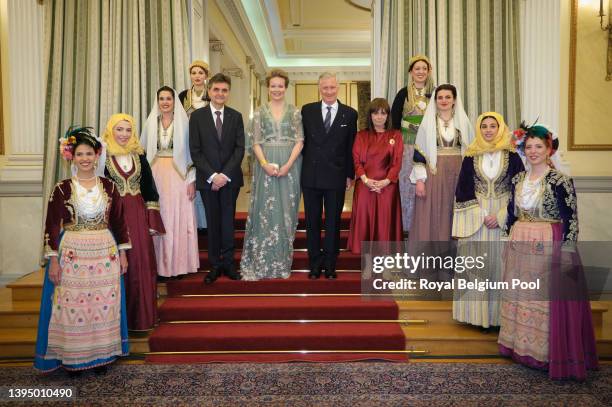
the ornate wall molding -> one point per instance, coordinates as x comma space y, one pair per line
234, 72
216, 46
593, 184
310, 74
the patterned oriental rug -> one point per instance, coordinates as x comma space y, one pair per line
306, 384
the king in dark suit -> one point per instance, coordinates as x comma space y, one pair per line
327, 172
216, 142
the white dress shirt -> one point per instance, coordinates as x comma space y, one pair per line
334, 111
214, 115
213, 109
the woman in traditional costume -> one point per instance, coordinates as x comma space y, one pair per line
276, 138
165, 137
377, 155
196, 97
82, 321
481, 201
553, 328
129, 169
442, 139
406, 114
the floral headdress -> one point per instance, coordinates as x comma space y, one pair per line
69, 140
540, 131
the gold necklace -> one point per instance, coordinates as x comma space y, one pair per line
82, 191
445, 123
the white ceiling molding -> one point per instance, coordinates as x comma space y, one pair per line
273, 25
344, 74
258, 15
235, 15
340, 35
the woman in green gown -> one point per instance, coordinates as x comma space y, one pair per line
275, 138
406, 115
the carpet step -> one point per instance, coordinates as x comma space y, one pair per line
276, 308
298, 243
19, 314
20, 343
297, 283
276, 336
28, 287
241, 217
346, 260
441, 312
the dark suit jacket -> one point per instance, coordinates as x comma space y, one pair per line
208, 154
328, 157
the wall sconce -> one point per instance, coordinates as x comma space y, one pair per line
607, 28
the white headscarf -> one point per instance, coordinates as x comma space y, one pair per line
180, 143
426, 139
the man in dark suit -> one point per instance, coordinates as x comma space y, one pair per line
216, 142
327, 172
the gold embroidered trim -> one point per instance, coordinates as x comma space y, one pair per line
131, 185
462, 206
80, 227
496, 187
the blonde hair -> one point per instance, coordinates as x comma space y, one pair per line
327, 75
277, 73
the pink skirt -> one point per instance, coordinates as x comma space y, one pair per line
177, 250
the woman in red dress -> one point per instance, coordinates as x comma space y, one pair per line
377, 154
127, 166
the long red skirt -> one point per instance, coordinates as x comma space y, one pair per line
375, 217
141, 277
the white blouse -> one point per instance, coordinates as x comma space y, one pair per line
529, 194
198, 101
90, 203
447, 133
490, 164
125, 162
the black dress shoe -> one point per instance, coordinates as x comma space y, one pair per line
315, 273
211, 277
330, 274
231, 273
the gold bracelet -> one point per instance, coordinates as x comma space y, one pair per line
263, 162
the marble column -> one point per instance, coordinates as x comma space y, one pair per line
23, 88
199, 30
24, 98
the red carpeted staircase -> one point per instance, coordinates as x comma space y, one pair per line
295, 319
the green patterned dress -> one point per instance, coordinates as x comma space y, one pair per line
273, 211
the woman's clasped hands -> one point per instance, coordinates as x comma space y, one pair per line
375, 185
